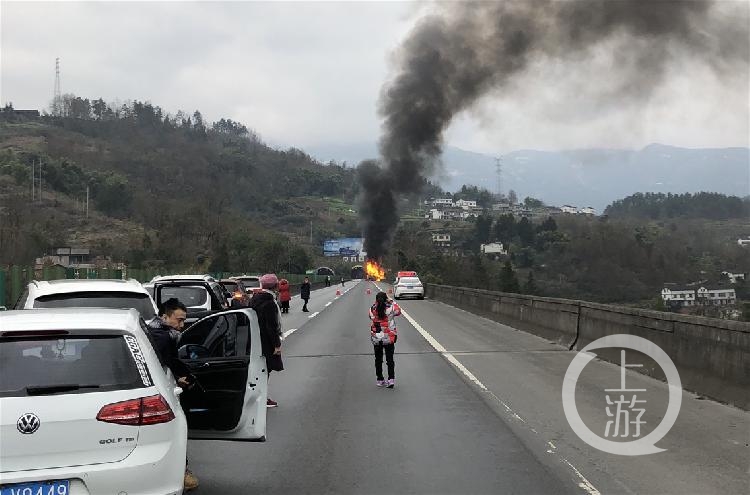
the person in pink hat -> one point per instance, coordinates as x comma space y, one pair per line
269, 320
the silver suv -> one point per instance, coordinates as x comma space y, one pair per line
87, 293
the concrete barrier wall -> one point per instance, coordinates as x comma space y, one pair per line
711, 355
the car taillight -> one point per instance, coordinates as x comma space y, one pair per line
143, 411
238, 295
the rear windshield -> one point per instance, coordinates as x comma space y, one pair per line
410, 280
113, 300
70, 365
230, 286
251, 281
189, 296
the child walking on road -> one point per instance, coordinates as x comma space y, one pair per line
383, 334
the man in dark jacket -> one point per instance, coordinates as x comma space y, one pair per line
269, 320
304, 294
163, 334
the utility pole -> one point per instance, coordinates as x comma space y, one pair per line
57, 98
499, 173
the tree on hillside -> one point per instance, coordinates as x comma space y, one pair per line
505, 229
525, 232
530, 202
530, 285
512, 197
508, 279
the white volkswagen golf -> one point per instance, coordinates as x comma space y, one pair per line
86, 407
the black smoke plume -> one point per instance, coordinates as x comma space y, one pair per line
468, 49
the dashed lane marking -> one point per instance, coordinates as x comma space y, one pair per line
314, 314
288, 333
329, 303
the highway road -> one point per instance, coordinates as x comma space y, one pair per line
476, 409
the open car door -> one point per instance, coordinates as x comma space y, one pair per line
223, 351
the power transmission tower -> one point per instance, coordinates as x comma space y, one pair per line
57, 98
499, 177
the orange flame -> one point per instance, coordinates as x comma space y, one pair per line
374, 270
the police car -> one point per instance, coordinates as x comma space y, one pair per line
87, 408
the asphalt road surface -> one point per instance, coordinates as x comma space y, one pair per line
476, 409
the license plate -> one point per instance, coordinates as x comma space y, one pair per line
57, 487
409, 286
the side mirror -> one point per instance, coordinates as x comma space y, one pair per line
192, 351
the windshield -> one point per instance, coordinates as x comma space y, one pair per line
191, 297
410, 281
113, 300
230, 286
45, 366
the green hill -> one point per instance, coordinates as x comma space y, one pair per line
171, 191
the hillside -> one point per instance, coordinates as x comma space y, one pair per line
167, 191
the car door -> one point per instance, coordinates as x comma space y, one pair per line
223, 351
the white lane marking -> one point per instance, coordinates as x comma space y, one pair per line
583, 484
288, 333
314, 314
328, 303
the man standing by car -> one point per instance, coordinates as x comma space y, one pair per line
164, 333
269, 321
304, 294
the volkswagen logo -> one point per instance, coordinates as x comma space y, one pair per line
28, 423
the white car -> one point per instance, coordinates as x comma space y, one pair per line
408, 286
85, 293
87, 408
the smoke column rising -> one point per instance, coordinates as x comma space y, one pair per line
468, 49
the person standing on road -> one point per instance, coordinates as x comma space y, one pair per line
304, 294
328, 280
342, 281
284, 295
383, 334
269, 320
163, 332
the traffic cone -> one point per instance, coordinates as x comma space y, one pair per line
368, 291
390, 291
338, 292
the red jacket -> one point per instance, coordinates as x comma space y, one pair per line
284, 294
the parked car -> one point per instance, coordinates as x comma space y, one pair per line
201, 294
238, 294
408, 286
86, 407
251, 283
85, 293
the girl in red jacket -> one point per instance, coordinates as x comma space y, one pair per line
284, 295
383, 334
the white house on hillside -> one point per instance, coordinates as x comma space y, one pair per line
569, 209
587, 211
466, 204
734, 276
441, 239
493, 248
716, 297
683, 296
442, 202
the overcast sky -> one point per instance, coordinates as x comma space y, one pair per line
304, 74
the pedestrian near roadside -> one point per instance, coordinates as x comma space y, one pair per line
383, 334
269, 320
304, 294
163, 332
284, 295
342, 281
328, 280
